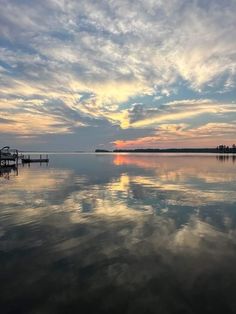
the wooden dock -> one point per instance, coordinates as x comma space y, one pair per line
28, 159
11, 157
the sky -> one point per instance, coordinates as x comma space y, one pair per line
80, 75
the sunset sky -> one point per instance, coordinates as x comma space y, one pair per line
80, 75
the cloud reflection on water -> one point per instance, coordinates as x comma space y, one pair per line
154, 232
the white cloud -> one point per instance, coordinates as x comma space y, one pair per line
115, 50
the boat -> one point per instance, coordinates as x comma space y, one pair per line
8, 155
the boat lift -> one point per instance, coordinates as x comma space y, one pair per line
8, 156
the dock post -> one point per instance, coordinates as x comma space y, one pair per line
17, 157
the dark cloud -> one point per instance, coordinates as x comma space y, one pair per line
54, 52
6, 121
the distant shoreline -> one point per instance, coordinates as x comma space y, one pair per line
168, 150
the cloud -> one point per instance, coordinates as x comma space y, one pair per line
183, 135
141, 116
113, 52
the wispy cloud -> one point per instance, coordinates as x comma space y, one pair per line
79, 62
181, 135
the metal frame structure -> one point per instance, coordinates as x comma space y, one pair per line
8, 156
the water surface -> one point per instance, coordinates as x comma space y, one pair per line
119, 233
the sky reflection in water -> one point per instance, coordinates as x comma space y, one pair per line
119, 233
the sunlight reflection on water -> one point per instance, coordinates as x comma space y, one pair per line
110, 233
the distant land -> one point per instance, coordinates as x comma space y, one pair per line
219, 149
53, 151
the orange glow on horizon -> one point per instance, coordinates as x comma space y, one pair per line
155, 142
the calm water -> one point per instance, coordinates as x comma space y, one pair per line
119, 234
